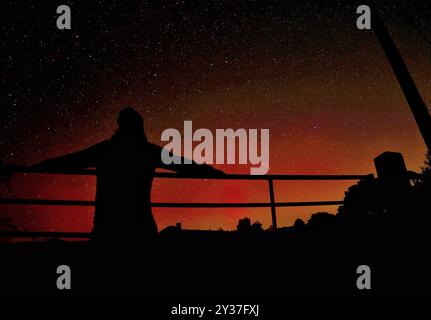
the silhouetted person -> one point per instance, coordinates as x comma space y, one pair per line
125, 166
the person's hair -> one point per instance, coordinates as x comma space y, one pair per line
129, 120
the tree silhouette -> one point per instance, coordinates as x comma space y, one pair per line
244, 225
421, 192
362, 200
424, 178
299, 224
321, 219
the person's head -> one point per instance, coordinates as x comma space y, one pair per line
130, 120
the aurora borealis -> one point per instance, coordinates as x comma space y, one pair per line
300, 68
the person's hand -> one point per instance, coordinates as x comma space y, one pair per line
213, 171
6, 172
37, 165
41, 165
218, 172
9, 167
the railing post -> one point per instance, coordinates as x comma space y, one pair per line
272, 200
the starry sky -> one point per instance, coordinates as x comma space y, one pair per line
299, 68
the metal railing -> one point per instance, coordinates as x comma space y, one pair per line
269, 178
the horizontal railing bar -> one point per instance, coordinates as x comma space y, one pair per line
43, 234
16, 201
194, 176
48, 202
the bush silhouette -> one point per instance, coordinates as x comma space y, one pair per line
244, 225
362, 200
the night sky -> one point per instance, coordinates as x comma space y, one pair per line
300, 68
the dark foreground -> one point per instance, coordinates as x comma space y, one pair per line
213, 266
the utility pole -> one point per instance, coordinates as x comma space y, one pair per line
411, 92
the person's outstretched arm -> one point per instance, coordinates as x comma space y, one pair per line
180, 166
78, 160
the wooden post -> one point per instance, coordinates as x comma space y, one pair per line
272, 199
394, 183
392, 172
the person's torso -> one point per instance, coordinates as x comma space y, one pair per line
125, 171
